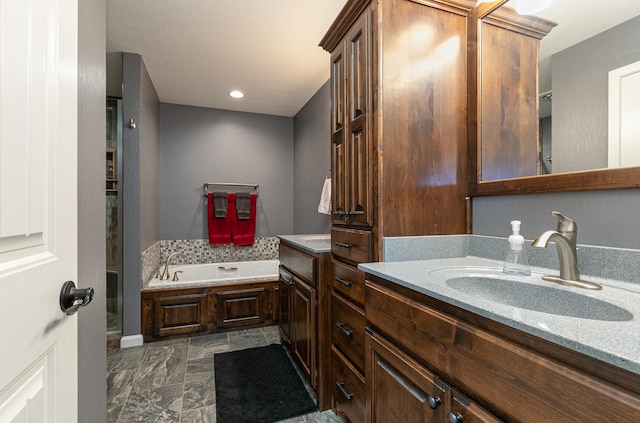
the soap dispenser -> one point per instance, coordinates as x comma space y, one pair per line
516, 262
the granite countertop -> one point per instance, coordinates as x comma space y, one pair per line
315, 243
613, 336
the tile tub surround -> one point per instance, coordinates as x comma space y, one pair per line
616, 269
173, 381
199, 251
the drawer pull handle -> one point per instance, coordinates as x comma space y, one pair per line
434, 402
288, 281
344, 245
347, 395
344, 330
454, 418
343, 281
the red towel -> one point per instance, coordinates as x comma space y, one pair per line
244, 231
220, 228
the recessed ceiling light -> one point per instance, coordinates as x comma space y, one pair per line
236, 94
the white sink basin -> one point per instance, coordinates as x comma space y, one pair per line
528, 292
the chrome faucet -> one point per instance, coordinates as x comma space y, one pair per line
565, 238
165, 273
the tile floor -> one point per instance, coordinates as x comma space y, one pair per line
172, 381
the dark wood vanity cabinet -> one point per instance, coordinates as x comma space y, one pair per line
482, 371
398, 153
303, 327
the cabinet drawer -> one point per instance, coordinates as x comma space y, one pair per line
347, 388
352, 244
521, 383
298, 262
348, 281
347, 330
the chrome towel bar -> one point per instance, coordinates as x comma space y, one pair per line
229, 184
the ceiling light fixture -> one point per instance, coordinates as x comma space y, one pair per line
236, 94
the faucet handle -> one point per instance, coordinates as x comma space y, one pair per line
565, 224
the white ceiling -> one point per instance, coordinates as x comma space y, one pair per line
197, 51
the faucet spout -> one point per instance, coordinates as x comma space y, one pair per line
565, 239
165, 272
566, 253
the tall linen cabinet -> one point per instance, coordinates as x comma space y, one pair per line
398, 153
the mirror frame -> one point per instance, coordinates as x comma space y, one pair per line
599, 179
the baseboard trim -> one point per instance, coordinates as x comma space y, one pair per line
131, 341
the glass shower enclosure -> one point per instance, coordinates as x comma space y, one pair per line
113, 174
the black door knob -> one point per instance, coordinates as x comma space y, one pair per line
71, 298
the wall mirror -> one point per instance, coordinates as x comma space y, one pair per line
567, 145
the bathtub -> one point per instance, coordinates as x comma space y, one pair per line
219, 273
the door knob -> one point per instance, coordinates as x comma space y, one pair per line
71, 298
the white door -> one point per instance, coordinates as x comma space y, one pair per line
624, 113
38, 217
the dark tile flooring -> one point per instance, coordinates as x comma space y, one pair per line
173, 382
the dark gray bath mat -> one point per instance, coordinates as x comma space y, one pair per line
259, 385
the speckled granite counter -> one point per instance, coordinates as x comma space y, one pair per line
614, 339
315, 243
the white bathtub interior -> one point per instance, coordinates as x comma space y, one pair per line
218, 273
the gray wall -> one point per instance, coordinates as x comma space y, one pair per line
92, 359
580, 95
199, 145
605, 218
139, 102
312, 163
149, 123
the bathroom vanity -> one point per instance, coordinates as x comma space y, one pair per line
304, 272
437, 352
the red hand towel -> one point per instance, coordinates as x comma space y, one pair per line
244, 231
219, 228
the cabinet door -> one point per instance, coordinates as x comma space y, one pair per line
398, 388
286, 281
358, 152
463, 410
338, 129
179, 315
242, 307
303, 319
